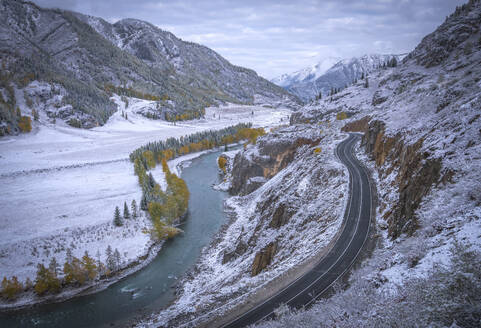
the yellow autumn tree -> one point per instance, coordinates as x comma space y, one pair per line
89, 266
46, 281
11, 288
341, 116
222, 161
149, 159
163, 232
156, 211
25, 124
74, 272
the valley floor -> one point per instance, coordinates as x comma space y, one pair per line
60, 185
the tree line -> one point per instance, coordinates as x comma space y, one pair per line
166, 207
53, 277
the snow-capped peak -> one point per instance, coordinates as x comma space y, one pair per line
306, 74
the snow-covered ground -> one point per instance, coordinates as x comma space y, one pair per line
60, 185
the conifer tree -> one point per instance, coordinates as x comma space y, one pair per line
117, 259
117, 218
68, 255
28, 283
143, 203
89, 266
46, 280
366, 84
133, 208
110, 259
98, 256
126, 211
11, 288
100, 266
53, 266
41, 284
393, 62
77, 273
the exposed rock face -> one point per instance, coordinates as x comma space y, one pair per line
357, 126
292, 149
241, 248
280, 216
417, 172
458, 27
378, 98
251, 169
242, 171
263, 258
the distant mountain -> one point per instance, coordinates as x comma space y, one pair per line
308, 74
85, 59
340, 75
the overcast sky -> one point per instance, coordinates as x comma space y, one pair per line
275, 37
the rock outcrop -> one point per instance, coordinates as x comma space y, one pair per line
252, 168
416, 171
436, 47
263, 258
280, 216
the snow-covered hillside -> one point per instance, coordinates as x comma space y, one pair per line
308, 83
86, 59
292, 193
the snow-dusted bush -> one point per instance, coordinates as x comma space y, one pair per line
446, 297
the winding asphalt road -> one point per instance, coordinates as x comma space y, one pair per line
307, 288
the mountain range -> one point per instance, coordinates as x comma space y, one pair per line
307, 74
85, 59
310, 81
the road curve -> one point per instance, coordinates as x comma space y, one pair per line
340, 258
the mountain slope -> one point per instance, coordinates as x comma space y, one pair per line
196, 65
422, 128
86, 59
340, 75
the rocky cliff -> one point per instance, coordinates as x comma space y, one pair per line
253, 168
416, 172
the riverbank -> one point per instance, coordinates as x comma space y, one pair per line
29, 298
152, 287
307, 197
61, 186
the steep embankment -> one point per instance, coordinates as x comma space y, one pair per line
422, 128
344, 252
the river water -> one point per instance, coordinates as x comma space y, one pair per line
149, 289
